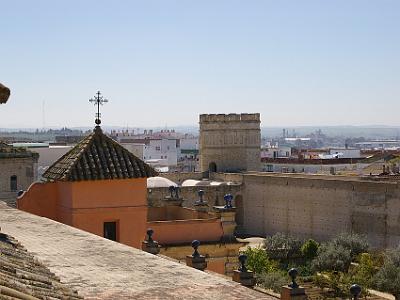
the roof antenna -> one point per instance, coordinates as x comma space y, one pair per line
98, 100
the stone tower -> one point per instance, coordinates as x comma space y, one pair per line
230, 143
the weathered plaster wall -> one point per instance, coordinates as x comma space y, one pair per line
88, 204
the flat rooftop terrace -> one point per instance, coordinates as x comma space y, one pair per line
102, 269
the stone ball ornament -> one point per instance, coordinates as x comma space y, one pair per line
4, 94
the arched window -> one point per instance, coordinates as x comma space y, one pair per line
13, 183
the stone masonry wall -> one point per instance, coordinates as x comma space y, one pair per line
24, 168
230, 141
322, 206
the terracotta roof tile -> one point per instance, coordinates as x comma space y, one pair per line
98, 157
21, 273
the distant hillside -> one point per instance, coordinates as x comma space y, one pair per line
368, 132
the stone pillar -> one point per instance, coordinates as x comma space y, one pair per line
196, 260
150, 245
293, 290
201, 205
173, 199
227, 215
242, 275
355, 291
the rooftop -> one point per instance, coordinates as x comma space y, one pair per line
102, 269
8, 151
97, 157
21, 273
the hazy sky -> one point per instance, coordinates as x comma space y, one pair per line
165, 62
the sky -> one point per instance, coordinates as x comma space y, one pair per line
162, 63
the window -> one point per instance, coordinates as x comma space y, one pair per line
270, 168
158, 148
110, 230
13, 183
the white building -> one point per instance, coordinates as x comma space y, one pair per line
165, 151
276, 152
345, 153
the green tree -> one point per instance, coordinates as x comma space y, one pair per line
309, 249
258, 261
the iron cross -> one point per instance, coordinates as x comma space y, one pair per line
98, 100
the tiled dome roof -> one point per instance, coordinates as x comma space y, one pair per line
98, 157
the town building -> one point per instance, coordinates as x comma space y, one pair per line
98, 186
165, 150
48, 154
18, 170
379, 145
345, 152
279, 151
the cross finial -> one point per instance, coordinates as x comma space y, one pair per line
98, 100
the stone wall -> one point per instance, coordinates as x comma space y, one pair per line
214, 195
321, 206
230, 142
24, 168
309, 206
179, 177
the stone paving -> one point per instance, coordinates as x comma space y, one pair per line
103, 269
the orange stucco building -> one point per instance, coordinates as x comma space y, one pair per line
99, 187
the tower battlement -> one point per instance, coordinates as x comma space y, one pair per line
255, 117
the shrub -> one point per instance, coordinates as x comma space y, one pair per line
305, 270
338, 283
355, 243
388, 277
282, 246
364, 271
331, 257
309, 249
258, 261
274, 280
